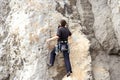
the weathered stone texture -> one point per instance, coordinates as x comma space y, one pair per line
26, 24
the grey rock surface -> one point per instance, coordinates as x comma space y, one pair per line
26, 24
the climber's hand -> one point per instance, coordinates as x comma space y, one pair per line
51, 39
47, 41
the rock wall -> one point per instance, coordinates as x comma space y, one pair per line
100, 27
26, 24
30, 23
4, 11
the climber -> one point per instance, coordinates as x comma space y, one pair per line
62, 45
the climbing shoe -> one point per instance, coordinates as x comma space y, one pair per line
68, 74
49, 65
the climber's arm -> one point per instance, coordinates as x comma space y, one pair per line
53, 38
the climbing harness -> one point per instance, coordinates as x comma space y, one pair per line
62, 46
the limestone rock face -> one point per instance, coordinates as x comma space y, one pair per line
94, 45
100, 20
25, 54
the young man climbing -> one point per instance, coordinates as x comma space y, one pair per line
62, 45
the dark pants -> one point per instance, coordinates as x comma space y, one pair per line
66, 59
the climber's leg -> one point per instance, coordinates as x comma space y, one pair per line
52, 57
67, 62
